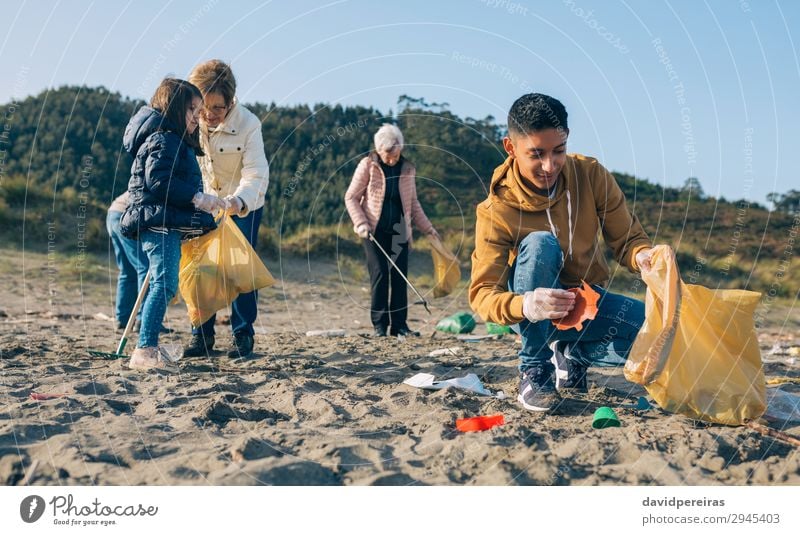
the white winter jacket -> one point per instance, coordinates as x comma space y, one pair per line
234, 161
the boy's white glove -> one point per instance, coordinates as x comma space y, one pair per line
643, 260
207, 203
363, 231
547, 304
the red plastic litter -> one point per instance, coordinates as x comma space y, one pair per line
44, 397
479, 423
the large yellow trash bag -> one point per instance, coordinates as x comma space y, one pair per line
216, 268
446, 269
697, 352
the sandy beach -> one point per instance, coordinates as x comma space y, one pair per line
329, 411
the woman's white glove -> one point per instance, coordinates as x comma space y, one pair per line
207, 203
547, 304
363, 231
233, 205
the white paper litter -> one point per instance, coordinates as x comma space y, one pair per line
469, 382
326, 332
446, 351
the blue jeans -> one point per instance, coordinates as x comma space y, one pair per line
132, 264
603, 341
244, 308
164, 253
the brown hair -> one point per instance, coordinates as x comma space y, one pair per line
172, 98
215, 76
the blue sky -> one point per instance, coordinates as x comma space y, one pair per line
663, 90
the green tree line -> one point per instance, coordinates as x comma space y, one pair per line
61, 164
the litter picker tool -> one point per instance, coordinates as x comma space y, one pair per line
421, 299
129, 327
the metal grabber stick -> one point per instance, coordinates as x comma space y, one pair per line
422, 299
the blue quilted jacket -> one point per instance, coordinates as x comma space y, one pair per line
164, 178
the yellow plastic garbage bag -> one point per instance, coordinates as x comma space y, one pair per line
697, 352
216, 268
447, 272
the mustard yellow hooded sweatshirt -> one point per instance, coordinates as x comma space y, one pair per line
587, 201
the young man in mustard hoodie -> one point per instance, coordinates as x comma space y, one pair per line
537, 234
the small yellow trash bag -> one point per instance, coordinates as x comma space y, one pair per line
216, 268
446, 269
697, 352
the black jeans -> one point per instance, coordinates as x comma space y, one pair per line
383, 277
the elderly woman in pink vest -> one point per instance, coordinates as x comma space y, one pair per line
382, 201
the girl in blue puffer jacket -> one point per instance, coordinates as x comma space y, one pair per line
167, 203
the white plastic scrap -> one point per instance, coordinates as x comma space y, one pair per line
777, 349
446, 351
478, 337
172, 352
469, 382
326, 332
782, 407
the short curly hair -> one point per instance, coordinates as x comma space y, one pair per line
388, 137
534, 112
214, 76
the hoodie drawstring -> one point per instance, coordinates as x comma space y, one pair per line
569, 222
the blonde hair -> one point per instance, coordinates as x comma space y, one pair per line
214, 76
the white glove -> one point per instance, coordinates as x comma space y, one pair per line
207, 203
363, 231
233, 205
547, 304
643, 260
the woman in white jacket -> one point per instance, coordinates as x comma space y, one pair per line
234, 168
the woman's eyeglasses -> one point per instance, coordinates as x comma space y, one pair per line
215, 110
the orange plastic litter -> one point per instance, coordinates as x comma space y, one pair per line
585, 308
479, 423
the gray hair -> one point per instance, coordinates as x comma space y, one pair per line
388, 137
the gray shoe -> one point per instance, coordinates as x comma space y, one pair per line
537, 390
